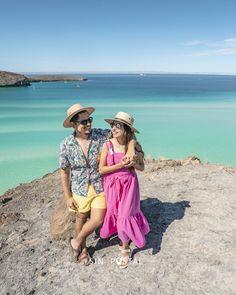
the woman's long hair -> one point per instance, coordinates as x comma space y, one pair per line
129, 135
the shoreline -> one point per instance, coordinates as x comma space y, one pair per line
159, 162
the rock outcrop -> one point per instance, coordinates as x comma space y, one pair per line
190, 248
61, 222
8, 79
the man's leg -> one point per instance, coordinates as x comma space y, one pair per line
81, 218
96, 220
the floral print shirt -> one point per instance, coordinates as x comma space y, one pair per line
83, 171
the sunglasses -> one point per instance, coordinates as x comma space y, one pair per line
117, 125
85, 122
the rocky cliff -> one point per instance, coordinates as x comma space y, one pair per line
13, 79
190, 249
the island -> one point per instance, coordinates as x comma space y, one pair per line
55, 78
9, 79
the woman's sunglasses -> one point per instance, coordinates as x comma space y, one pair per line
85, 122
117, 125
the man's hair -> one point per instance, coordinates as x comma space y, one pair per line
75, 118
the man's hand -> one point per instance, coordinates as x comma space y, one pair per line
130, 154
70, 202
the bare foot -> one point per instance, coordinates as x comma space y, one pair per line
75, 251
84, 258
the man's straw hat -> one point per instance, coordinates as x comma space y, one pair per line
75, 109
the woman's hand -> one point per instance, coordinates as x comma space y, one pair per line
130, 164
125, 161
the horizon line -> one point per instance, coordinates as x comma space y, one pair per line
128, 73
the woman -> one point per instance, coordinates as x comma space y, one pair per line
121, 188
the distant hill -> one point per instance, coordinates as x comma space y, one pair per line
13, 79
54, 78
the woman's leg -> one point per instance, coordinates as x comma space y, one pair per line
124, 255
125, 245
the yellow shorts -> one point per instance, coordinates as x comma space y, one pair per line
92, 200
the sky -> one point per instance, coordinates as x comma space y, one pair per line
106, 36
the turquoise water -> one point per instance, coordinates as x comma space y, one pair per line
177, 115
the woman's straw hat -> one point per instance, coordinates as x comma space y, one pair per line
125, 118
75, 109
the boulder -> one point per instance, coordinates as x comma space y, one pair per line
61, 222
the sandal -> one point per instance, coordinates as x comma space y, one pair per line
84, 257
123, 261
75, 253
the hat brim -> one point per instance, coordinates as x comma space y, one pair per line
67, 123
122, 121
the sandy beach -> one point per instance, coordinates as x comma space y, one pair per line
190, 249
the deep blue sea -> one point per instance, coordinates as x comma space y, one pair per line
177, 115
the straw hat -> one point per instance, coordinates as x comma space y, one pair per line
125, 118
75, 109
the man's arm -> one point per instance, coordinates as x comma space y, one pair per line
64, 165
65, 182
130, 154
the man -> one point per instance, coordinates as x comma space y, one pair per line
81, 181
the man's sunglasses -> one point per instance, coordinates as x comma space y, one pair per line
85, 122
117, 125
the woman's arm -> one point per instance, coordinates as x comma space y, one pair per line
103, 168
